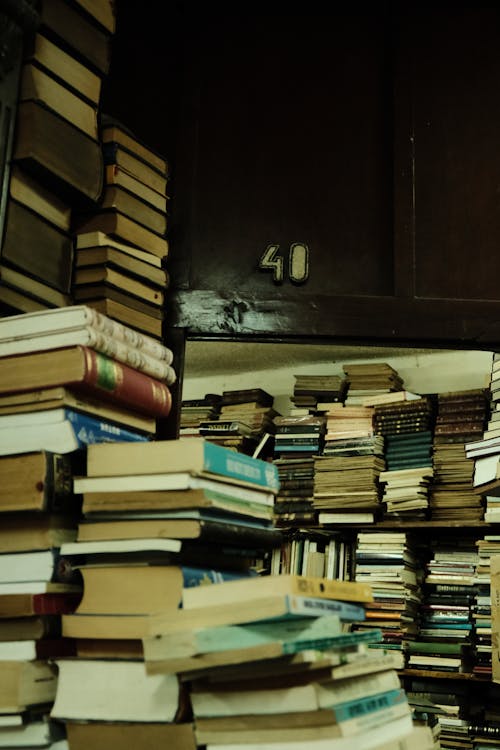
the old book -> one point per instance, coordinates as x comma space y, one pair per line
52, 264
116, 153
193, 455
66, 25
96, 240
141, 736
67, 160
14, 301
35, 196
123, 261
84, 369
37, 290
115, 132
39, 86
101, 690
101, 11
125, 308
79, 317
19, 532
39, 481
116, 176
26, 683
117, 224
32, 731
31, 627
128, 204
57, 600
59, 396
76, 76
59, 430
108, 275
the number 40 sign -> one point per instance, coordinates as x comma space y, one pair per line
298, 263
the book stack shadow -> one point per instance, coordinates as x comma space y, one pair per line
121, 245
158, 518
270, 664
57, 161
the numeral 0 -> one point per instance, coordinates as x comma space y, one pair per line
298, 262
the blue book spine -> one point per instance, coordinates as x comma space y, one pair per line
201, 576
89, 430
363, 706
228, 463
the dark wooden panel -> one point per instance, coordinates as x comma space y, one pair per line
457, 160
286, 137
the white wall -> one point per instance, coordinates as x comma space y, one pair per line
433, 372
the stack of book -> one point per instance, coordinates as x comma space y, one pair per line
187, 513
445, 641
389, 562
296, 680
71, 376
298, 437
121, 244
57, 161
481, 608
346, 487
370, 379
294, 502
312, 552
317, 392
460, 417
196, 410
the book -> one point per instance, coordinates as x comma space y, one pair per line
115, 176
35, 196
38, 290
95, 240
192, 455
59, 397
142, 590
124, 308
60, 430
45, 602
141, 736
69, 162
117, 224
17, 567
145, 171
69, 27
332, 517
102, 690
65, 67
38, 481
237, 591
32, 649
140, 267
116, 132
26, 683
108, 275
33, 733
19, 532
14, 300
390, 398
39, 86
79, 317
116, 197
184, 524
84, 369
51, 264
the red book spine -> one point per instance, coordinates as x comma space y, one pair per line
55, 604
123, 385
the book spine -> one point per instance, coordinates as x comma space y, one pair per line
53, 604
315, 607
89, 430
129, 336
131, 356
124, 385
219, 460
200, 576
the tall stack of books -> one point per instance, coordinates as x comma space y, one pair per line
317, 392
446, 638
57, 161
187, 513
196, 410
296, 680
346, 487
481, 609
461, 416
407, 430
294, 502
121, 245
370, 379
389, 562
298, 437
71, 376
